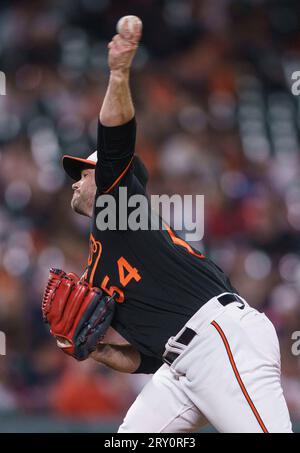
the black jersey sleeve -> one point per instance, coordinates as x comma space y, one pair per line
115, 147
148, 365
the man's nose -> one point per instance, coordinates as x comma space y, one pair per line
75, 185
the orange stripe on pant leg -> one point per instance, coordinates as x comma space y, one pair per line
239, 379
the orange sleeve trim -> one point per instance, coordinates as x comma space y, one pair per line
238, 377
119, 177
177, 241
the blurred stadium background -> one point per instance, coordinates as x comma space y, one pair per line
212, 87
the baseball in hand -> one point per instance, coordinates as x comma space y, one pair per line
127, 25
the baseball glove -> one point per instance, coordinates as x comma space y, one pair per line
78, 314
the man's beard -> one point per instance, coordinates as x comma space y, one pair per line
80, 206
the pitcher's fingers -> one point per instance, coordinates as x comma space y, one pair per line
123, 44
117, 43
137, 32
134, 35
125, 30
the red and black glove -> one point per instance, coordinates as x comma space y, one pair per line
78, 315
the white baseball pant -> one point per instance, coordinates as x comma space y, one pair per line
228, 376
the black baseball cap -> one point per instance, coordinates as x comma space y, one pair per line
73, 166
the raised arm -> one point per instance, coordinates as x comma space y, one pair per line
117, 127
117, 107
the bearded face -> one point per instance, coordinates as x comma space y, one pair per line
84, 193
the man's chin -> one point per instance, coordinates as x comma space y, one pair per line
79, 206
76, 207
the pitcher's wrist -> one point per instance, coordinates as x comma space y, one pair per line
119, 74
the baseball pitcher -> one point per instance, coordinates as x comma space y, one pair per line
150, 303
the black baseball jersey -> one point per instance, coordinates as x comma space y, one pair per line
159, 280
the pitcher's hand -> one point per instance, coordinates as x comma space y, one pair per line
123, 47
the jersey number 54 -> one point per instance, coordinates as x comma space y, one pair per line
125, 270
